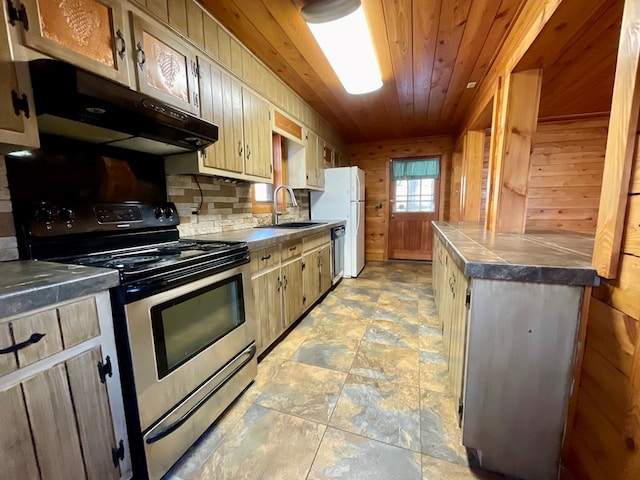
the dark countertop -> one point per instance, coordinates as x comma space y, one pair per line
257, 238
26, 284
538, 256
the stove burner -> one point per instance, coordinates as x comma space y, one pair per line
130, 262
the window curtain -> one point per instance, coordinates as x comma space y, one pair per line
415, 169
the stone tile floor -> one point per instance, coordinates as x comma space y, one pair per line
358, 390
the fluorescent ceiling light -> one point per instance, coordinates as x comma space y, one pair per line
340, 28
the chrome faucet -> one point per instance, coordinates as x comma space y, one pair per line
294, 202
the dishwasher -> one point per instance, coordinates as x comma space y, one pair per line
337, 253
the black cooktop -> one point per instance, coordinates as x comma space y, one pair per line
150, 261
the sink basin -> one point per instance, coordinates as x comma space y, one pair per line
293, 225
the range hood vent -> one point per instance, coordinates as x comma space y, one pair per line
77, 104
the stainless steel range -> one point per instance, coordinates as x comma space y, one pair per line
184, 331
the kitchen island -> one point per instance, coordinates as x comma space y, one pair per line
510, 306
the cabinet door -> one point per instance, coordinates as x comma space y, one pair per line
325, 269
166, 67
257, 136
231, 156
18, 126
292, 295
71, 421
311, 278
267, 294
17, 457
311, 159
88, 33
320, 164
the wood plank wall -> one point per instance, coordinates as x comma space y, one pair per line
567, 162
604, 443
374, 158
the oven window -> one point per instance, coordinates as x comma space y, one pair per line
185, 326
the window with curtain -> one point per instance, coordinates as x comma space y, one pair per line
415, 184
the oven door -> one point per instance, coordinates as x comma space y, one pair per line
181, 337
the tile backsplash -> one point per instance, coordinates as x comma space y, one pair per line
225, 205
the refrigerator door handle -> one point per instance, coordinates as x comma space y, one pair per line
357, 220
357, 191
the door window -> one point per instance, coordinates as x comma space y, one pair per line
415, 185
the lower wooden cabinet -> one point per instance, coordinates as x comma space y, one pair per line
286, 281
62, 415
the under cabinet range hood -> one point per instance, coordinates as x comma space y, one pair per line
74, 103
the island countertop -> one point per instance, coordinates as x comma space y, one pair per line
538, 256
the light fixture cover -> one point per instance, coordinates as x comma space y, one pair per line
340, 28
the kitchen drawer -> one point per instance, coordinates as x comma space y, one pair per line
291, 249
264, 258
61, 328
79, 322
317, 240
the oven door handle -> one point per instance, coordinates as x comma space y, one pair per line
160, 430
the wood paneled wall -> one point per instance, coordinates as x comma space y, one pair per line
567, 162
604, 443
374, 158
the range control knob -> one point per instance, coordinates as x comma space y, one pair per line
168, 212
44, 215
159, 212
67, 215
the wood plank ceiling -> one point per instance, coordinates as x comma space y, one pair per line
428, 50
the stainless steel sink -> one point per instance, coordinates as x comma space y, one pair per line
293, 225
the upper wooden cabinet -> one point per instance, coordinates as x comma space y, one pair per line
243, 149
18, 127
166, 67
91, 34
308, 171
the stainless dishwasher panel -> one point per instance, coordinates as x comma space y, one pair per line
337, 253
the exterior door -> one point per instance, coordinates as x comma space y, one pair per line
413, 205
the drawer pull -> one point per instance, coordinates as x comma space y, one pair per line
291, 249
266, 257
34, 338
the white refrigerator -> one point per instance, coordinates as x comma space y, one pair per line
343, 199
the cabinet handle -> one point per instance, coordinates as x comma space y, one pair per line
266, 257
34, 338
142, 58
248, 152
123, 44
285, 281
239, 148
196, 100
291, 249
279, 284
